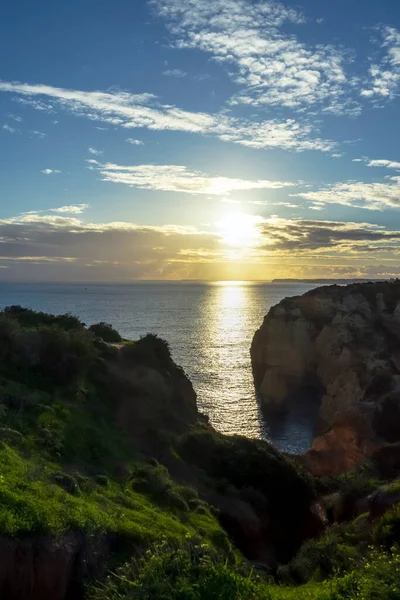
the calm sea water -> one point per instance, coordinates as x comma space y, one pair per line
209, 327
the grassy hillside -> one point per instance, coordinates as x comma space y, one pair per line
109, 473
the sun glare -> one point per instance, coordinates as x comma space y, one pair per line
239, 230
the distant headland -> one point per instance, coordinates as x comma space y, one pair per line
329, 281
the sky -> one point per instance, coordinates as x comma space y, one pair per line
199, 139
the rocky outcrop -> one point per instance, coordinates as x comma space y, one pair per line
341, 343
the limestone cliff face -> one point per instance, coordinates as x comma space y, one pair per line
344, 342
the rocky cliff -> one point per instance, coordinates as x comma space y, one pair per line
340, 344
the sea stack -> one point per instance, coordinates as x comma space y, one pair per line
341, 344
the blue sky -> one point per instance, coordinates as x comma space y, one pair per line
211, 139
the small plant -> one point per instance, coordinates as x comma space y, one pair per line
102, 480
67, 482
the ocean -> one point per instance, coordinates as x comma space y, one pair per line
209, 327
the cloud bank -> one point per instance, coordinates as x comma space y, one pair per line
47, 247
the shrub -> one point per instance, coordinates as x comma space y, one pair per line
322, 558
48, 351
150, 350
67, 482
102, 480
10, 436
64, 355
30, 318
157, 484
387, 528
106, 332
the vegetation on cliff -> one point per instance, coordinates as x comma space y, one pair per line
113, 486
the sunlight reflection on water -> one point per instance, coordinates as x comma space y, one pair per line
209, 327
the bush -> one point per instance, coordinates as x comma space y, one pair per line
51, 352
319, 559
106, 332
67, 482
149, 350
102, 480
387, 528
155, 482
30, 318
64, 355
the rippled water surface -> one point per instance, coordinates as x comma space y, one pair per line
209, 327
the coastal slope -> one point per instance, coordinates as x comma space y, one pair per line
105, 458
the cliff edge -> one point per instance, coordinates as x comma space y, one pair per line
341, 345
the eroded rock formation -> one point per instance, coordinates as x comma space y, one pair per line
342, 343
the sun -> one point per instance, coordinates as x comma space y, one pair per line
239, 230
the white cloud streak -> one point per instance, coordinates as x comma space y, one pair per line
141, 111
134, 142
7, 127
72, 209
174, 178
389, 164
178, 73
39, 134
95, 152
371, 196
50, 171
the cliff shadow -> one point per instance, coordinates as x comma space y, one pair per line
294, 430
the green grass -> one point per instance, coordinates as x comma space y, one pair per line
193, 571
31, 502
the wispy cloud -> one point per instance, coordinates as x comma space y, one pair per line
16, 118
50, 171
39, 134
72, 209
270, 65
371, 196
95, 152
35, 104
7, 127
134, 142
133, 111
175, 73
175, 178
